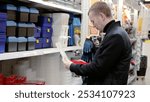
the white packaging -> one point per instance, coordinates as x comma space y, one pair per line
60, 18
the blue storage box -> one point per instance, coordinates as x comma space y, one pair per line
11, 11
76, 22
45, 21
30, 29
11, 28
37, 32
38, 43
3, 17
11, 44
22, 41
46, 31
47, 42
21, 29
71, 34
31, 43
23, 14
2, 42
33, 16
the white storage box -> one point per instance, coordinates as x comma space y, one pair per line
60, 18
62, 39
60, 30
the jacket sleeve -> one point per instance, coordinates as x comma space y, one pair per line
106, 58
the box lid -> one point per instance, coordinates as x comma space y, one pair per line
9, 7
34, 10
31, 39
22, 39
12, 39
22, 25
23, 9
76, 22
30, 25
11, 23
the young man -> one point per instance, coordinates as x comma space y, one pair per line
112, 59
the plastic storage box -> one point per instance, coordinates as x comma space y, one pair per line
31, 43
3, 17
23, 14
11, 44
60, 18
33, 15
60, 30
10, 10
38, 43
30, 29
21, 29
37, 32
62, 39
2, 42
46, 42
11, 28
46, 31
22, 41
45, 21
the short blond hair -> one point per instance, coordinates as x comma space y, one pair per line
101, 7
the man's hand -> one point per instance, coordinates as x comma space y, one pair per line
67, 62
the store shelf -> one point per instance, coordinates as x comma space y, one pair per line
53, 5
23, 54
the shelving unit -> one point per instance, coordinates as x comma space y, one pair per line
47, 62
23, 54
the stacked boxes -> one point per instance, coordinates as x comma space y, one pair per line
3, 18
60, 27
45, 23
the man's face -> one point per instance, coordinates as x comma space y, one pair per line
97, 21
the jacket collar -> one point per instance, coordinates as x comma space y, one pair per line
110, 25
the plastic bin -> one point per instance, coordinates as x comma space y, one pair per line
38, 43
3, 17
60, 30
33, 16
30, 29
62, 39
2, 42
46, 31
60, 18
11, 44
23, 14
37, 32
45, 21
21, 29
31, 43
11, 28
10, 10
22, 43
46, 42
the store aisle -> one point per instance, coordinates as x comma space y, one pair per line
146, 80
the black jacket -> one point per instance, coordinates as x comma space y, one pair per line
112, 59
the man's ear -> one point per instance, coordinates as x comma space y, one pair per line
102, 16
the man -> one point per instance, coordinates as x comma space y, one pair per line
112, 59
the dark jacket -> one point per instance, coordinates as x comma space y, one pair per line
112, 59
